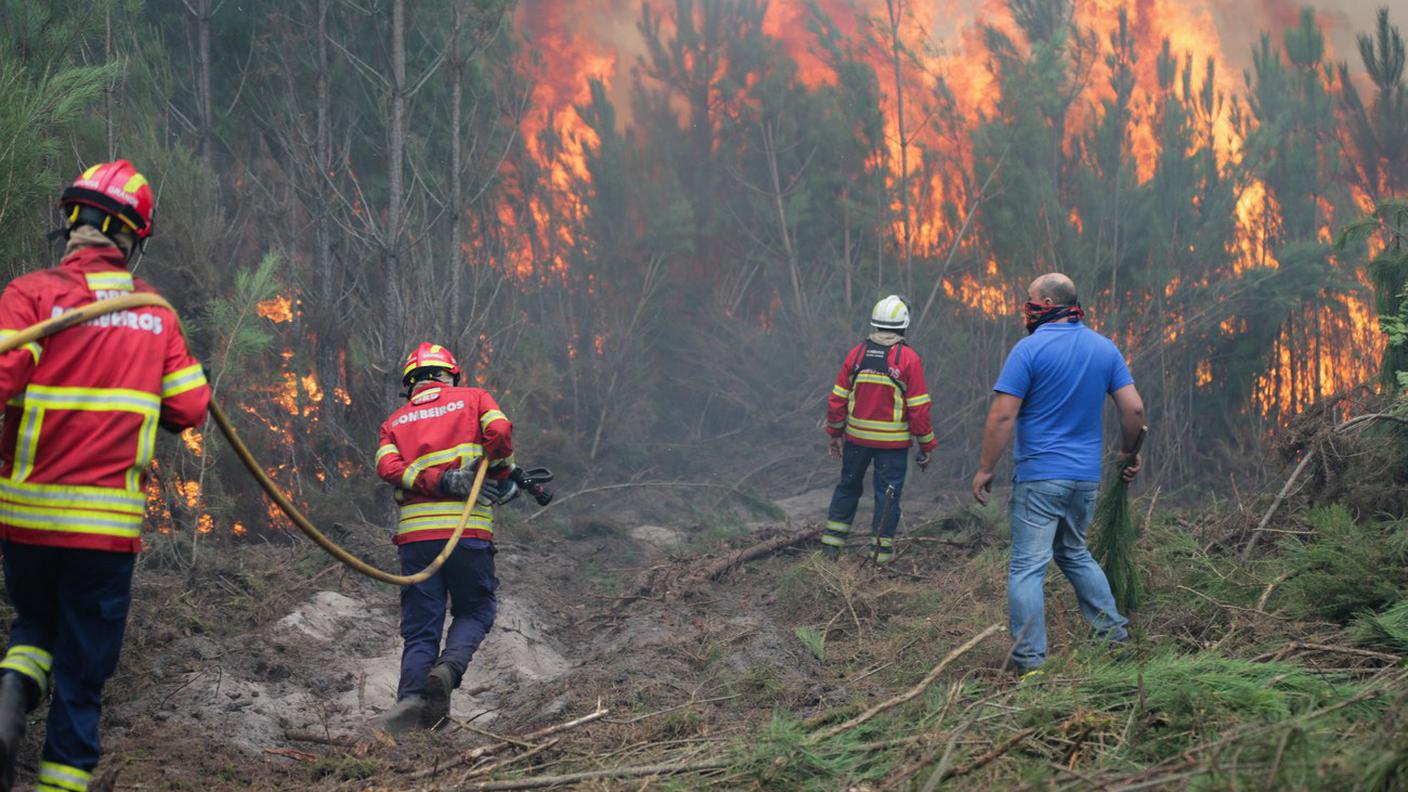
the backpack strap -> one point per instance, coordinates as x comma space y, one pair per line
860, 358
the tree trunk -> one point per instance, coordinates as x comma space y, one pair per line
202, 14
456, 259
793, 268
846, 260
329, 370
108, 88
396, 151
895, 9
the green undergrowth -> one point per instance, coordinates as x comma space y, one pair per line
1387, 630
1212, 692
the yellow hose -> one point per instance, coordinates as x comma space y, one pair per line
148, 299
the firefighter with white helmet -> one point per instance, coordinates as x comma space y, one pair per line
878, 406
429, 451
82, 409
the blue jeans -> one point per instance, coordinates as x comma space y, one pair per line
72, 604
1049, 520
467, 580
890, 467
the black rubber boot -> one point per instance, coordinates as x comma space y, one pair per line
404, 716
830, 552
14, 703
439, 683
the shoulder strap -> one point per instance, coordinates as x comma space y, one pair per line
859, 352
860, 359
899, 352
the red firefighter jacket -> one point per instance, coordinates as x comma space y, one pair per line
440, 428
881, 401
82, 406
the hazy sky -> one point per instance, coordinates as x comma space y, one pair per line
1241, 22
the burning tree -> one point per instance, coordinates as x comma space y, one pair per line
656, 226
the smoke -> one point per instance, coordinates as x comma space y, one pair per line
1242, 22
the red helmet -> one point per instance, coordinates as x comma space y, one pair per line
429, 356
117, 190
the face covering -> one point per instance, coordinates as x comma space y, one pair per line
1037, 314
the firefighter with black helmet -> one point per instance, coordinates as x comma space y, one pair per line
82, 410
429, 451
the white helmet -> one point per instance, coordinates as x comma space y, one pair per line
891, 313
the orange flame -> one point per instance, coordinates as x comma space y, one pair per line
276, 309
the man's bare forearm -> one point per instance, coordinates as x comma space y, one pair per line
997, 433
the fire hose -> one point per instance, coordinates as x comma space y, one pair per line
148, 299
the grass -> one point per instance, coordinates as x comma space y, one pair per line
1387, 630
1198, 703
1342, 569
814, 640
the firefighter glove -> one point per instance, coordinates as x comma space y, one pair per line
922, 460
496, 492
457, 483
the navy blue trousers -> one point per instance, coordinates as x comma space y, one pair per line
467, 581
890, 468
72, 604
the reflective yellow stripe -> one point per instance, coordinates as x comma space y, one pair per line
31, 661
63, 496
386, 450
443, 515
86, 521
64, 777
928, 438
146, 448
879, 426
440, 507
836, 424
32, 346
182, 380
491, 416
25, 666
462, 453
27, 445
875, 378
95, 399
918, 400
41, 657
109, 281
884, 437
840, 391
39, 398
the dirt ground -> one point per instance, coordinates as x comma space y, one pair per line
264, 672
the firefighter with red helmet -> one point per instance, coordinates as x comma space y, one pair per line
82, 410
429, 451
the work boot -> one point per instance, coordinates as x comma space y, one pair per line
830, 552
14, 703
404, 716
439, 683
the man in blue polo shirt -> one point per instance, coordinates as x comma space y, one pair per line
1053, 388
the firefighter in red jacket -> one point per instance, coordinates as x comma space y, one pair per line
429, 451
82, 410
879, 402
